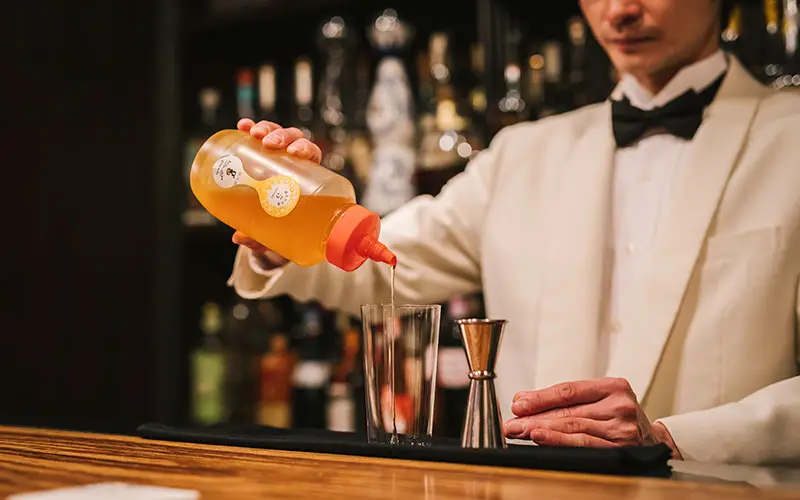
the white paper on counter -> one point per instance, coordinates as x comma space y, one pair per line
115, 491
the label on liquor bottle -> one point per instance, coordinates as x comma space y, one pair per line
228, 171
279, 195
453, 370
275, 415
311, 374
208, 371
341, 408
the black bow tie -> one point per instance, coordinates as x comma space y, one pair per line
680, 117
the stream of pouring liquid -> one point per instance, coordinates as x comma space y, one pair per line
390, 339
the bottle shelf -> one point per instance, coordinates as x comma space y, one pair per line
249, 13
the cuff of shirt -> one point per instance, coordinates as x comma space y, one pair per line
257, 266
704, 436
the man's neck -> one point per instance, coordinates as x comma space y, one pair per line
655, 82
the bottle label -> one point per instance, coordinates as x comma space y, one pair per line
341, 409
228, 171
208, 373
275, 415
453, 369
279, 195
311, 374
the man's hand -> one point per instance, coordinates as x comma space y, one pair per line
275, 137
594, 413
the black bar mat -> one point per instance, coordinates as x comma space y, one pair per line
627, 461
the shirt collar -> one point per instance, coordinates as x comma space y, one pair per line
696, 77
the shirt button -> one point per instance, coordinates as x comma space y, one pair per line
630, 248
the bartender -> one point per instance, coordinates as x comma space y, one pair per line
645, 250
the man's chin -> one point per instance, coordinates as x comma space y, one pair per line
636, 64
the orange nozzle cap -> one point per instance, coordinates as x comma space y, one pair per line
373, 249
354, 239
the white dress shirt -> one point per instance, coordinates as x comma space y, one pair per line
643, 175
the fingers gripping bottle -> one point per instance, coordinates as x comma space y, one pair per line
300, 210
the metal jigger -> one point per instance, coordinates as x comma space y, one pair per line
483, 425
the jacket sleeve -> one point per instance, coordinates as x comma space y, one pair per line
437, 241
761, 429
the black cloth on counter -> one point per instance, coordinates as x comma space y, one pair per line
626, 461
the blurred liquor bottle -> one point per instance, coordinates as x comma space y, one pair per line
276, 365
334, 90
534, 87
512, 106
245, 93
576, 30
426, 91
790, 80
558, 92
453, 371
771, 64
304, 98
359, 148
243, 361
267, 93
275, 395
442, 128
193, 212
732, 32
208, 369
311, 376
477, 132
390, 119
344, 389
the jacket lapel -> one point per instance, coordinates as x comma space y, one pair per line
660, 283
574, 269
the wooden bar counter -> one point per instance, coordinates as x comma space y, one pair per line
37, 459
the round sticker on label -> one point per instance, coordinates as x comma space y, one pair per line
228, 171
280, 195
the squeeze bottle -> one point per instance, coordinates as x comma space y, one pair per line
300, 210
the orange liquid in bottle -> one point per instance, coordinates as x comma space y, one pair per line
301, 234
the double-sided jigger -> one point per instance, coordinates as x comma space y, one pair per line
483, 425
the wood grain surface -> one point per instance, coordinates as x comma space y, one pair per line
37, 459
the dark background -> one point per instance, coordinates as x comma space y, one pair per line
90, 322
92, 284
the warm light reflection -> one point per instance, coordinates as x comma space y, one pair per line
334, 28
387, 21
512, 73
241, 312
448, 141
536, 62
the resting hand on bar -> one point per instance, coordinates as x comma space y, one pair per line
601, 413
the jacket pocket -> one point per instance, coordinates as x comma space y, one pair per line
759, 244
